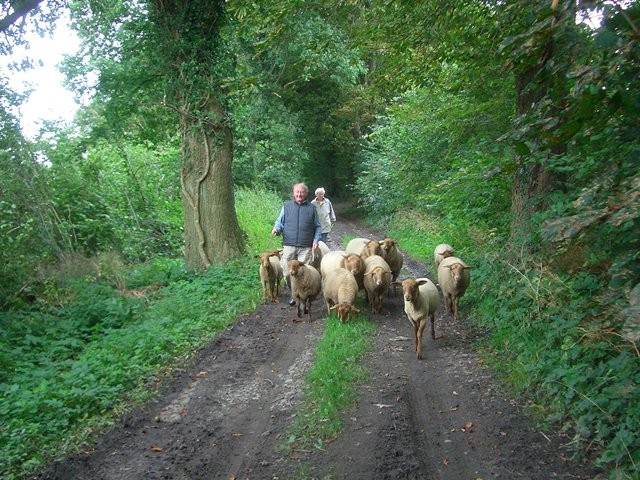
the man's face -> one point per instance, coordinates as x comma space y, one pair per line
299, 194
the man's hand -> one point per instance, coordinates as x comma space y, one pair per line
274, 232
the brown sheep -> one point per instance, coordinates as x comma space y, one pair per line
392, 256
305, 285
454, 277
270, 274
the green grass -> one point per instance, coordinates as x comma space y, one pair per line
86, 352
70, 371
331, 382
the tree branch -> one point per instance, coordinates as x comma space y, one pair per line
20, 9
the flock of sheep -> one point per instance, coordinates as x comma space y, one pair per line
372, 266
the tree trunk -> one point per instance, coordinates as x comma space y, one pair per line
531, 181
211, 230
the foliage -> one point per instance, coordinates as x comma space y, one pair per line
269, 151
436, 151
103, 337
257, 211
331, 381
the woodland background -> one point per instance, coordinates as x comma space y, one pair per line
509, 129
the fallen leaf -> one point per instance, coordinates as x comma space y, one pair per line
155, 448
329, 441
202, 374
455, 393
382, 405
236, 434
468, 427
445, 462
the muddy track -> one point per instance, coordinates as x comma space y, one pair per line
226, 414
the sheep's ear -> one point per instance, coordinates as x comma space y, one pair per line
467, 267
396, 283
354, 309
256, 256
422, 281
334, 307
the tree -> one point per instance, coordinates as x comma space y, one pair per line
174, 54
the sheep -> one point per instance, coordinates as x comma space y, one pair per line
340, 288
270, 274
341, 259
305, 285
441, 252
392, 256
454, 277
364, 247
324, 248
421, 301
377, 278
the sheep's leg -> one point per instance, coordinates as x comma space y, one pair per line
415, 335
264, 292
298, 305
308, 309
455, 308
433, 329
423, 324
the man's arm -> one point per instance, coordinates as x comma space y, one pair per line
278, 226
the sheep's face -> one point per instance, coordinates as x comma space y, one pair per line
353, 263
387, 245
264, 261
377, 275
264, 258
374, 248
456, 272
295, 267
344, 311
410, 290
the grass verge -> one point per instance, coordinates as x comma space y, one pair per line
331, 383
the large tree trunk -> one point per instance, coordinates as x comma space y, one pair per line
192, 49
532, 181
211, 230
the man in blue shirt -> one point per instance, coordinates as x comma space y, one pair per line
300, 228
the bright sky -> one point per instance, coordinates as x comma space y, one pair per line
49, 100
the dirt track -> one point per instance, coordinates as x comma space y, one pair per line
226, 415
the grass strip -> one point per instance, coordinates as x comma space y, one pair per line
331, 383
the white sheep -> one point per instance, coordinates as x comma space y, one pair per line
270, 274
453, 276
364, 247
340, 288
306, 284
377, 278
342, 259
421, 301
442, 251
